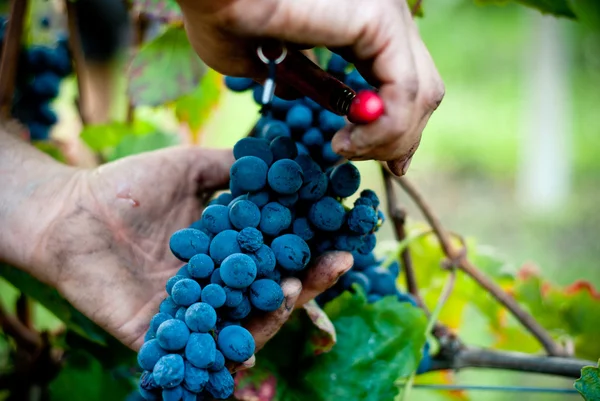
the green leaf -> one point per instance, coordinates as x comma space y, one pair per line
588, 384
51, 150
163, 10
104, 137
325, 338
164, 69
555, 7
196, 107
83, 378
377, 344
587, 11
133, 144
51, 299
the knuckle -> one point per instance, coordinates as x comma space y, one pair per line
434, 96
410, 88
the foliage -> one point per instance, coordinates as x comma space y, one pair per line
377, 345
588, 384
162, 10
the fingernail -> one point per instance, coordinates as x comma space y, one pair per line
406, 166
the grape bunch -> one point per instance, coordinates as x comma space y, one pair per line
310, 125
41, 70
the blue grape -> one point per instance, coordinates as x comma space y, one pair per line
266, 295
219, 362
260, 198
237, 199
361, 261
189, 396
264, 258
249, 173
394, 268
46, 115
242, 310
302, 228
215, 218
172, 394
283, 148
224, 198
329, 155
327, 214
274, 275
372, 298
46, 85
220, 384
201, 317
236, 343
167, 306
362, 219
426, 361
238, 271
337, 65
344, 180
149, 395
363, 201
195, 379
402, 297
275, 218
157, 320
285, 176
250, 239
214, 295
291, 252
239, 84
288, 200
180, 315
369, 194
330, 122
356, 81
244, 214
171, 282
257, 147
185, 292
313, 137
183, 271
233, 297
200, 350
282, 105
215, 277
169, 371
368, 244
347, 243
301, 149
172, 335
224, 244
37, 131
299, 117
200, 266
147, 381
382, 281
274, 129
351, 278
149, 354
188, 242
314, 106
315, 186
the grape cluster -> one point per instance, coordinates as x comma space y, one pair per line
310, 125
41, 69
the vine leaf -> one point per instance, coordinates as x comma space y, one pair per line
51, 299
588, 11
197, 106
559, 8
325, 337
588, 384
132, 144
162, 10
164, 69
377, 345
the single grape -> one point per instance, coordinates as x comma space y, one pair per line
195, 378
169, 371
188, 242
274, 218
171, 282
240, 311
214, 295
283, 148
313, 137
239, 84
249, 173
172, 394
220, 384
266, 295
236, 343
224, 244
299, 117
328, 155
224, 198
200, 266
369, 194
219, 362
215, 277
168, 307
215, 219
285, 176
238, 270
260, 198
244, 214
288, 200
250, 239
180, 315
233, 297
327, 214
201, 317
257, 147
291, 252
200, 350
330, 123
382, 281
274, 129
344, 180
185, 292
362, 219
172, 335
149, 354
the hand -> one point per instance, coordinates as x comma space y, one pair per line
109, 244
380, 37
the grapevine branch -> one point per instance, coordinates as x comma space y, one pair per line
78, 59
398, 217
10, 55
24, 336
471, 357
461, 261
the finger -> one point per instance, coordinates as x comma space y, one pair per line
324, 273
249, 363
263, 328
208, 167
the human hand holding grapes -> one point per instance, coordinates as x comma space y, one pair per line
380, 37
109, 248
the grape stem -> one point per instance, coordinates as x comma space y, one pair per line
460, 259
10, 55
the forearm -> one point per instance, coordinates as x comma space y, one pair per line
32, 191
